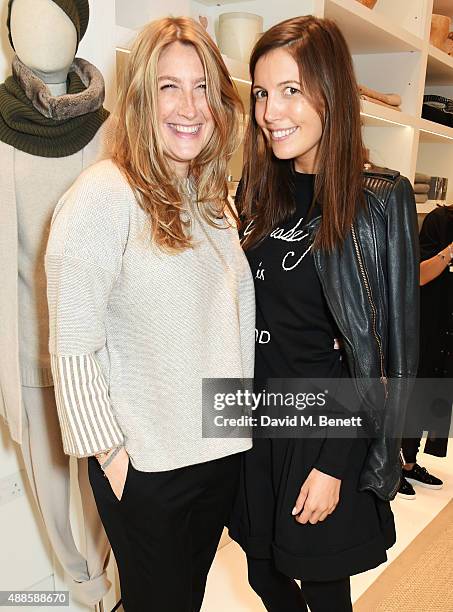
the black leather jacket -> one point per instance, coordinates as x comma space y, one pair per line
372, 289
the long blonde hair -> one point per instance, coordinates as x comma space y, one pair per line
138, 148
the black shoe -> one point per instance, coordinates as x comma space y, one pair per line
420, 476
406, 490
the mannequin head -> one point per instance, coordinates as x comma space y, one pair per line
44, 38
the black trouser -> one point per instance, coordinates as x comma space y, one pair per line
429, 410
434, 445
165, 530
280, 593
410, 448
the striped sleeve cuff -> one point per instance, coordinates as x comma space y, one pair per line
88, 425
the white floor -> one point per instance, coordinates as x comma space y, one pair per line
228, 591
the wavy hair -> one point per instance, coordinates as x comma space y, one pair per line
328, 81
138, 148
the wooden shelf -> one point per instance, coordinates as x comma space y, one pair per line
440, 67
368, 31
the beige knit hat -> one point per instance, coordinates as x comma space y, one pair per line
78, 12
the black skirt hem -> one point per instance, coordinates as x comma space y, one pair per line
336, 566
333, 566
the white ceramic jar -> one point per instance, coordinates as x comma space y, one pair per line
238, 33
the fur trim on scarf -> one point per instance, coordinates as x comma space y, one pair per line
67, 106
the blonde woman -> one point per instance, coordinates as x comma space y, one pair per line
149, 293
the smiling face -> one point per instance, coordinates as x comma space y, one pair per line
289, 122
185, 121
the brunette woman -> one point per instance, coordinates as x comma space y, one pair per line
149, 293
333, 252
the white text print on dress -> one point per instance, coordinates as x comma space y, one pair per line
262, 336
286, 266
260, 272
291, 235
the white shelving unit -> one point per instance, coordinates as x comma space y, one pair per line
440, 67
370, 32
391, 52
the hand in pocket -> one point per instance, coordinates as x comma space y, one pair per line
116, 472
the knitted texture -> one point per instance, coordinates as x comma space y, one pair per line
39, 184
27, 129
134, 331
78, 12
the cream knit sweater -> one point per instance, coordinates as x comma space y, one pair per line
134, 331
40, 182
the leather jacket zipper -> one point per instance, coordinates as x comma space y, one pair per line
310, 226
373, 307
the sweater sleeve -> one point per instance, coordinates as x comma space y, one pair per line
83, 262
88, 425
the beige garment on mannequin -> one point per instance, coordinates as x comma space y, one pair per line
10, 378
48, 472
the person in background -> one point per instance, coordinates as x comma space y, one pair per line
334, 255
149, 292
436, 346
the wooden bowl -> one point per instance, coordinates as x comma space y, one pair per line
369, 3
440, 27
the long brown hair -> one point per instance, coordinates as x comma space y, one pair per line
328, 81
138, 149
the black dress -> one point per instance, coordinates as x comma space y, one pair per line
436, 330
436, 299
296, 337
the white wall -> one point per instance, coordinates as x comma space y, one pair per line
133, 14
98, 44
